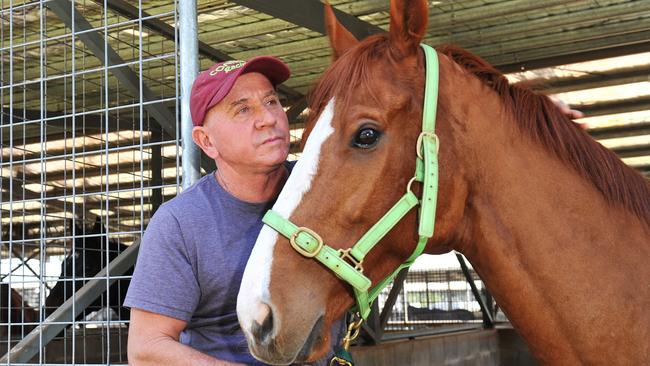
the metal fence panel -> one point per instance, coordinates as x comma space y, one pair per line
89, 151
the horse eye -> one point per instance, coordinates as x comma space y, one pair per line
367, 137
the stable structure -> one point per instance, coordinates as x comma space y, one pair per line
94, 122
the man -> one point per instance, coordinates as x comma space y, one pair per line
184, 288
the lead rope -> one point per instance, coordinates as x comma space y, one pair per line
342, 355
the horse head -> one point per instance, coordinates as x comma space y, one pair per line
360, 146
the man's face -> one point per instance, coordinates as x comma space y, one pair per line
248, 127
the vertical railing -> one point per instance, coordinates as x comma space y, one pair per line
189, 52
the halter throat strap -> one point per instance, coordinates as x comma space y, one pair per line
347, 264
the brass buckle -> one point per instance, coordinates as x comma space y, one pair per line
346, 256
301, 250
418, 144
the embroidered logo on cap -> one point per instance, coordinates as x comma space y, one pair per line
227, 67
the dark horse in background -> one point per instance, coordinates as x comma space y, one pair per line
88, 258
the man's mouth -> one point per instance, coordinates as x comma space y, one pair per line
272, 139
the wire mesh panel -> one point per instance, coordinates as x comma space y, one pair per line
89, 151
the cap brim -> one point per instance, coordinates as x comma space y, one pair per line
275, 70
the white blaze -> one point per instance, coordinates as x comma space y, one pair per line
257, 275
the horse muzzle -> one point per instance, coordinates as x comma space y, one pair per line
272, 343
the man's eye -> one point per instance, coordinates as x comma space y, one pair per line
272, 101
366, 138
243, 110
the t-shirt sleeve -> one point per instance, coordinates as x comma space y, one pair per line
164, 281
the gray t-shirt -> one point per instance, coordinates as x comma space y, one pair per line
191, 261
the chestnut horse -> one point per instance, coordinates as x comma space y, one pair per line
555, 224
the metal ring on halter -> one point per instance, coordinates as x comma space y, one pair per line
418, 144
408, 186
299, 249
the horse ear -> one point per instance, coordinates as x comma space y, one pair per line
408, 24
340, 38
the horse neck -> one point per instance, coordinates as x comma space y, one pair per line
565, 265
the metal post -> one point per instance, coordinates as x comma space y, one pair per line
189, 51
488, 322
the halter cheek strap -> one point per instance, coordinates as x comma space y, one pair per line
347, 264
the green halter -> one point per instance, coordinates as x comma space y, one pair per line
347, 264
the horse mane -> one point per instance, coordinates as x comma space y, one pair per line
536, 116
539, 118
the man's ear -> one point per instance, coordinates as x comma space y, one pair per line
202, 139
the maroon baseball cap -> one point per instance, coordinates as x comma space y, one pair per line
212, 85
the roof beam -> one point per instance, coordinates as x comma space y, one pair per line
309, 14
615, 106
635, 129
592, 80
632, 151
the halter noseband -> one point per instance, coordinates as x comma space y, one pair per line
347, 264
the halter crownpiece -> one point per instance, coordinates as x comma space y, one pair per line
347, 264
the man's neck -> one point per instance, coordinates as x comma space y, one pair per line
252, 187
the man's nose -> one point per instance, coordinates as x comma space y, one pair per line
266, 118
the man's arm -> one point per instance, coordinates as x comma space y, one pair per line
153, 340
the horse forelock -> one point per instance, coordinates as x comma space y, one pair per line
541, 120
354, 73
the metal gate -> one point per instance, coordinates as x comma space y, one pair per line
90, 150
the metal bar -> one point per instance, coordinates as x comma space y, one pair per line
372, 330
29, 346
310, 14
23, 262
127, 77
189, 60
398, 283
156, 177
488, 322
429, 331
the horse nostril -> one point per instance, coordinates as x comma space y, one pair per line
263, 324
